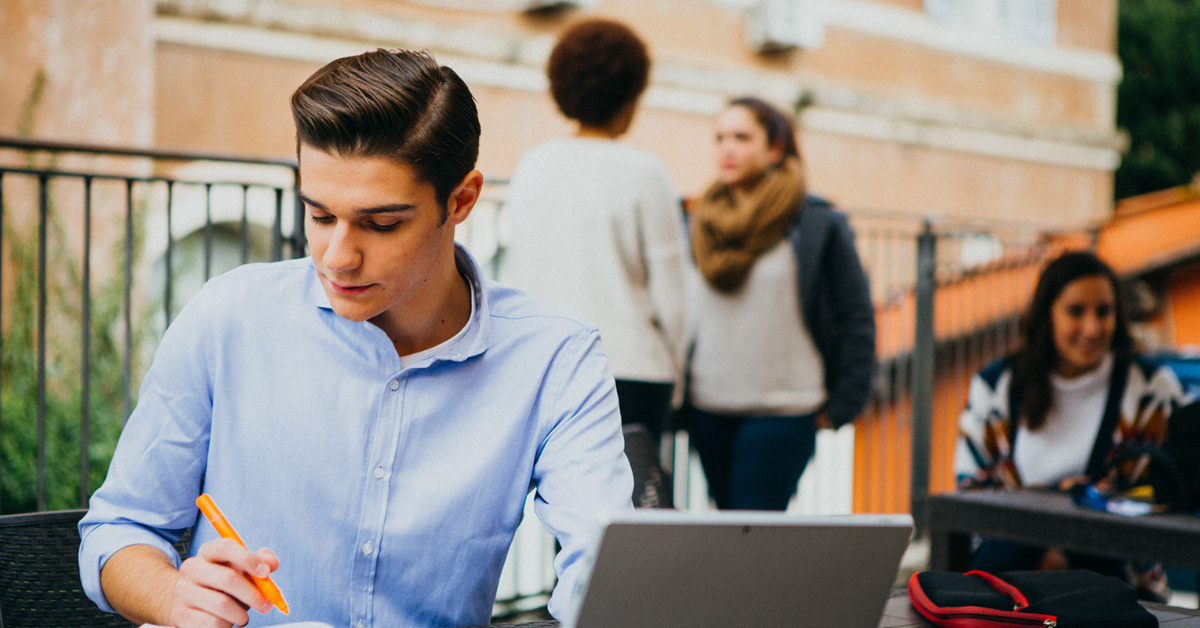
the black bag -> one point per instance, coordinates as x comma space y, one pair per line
1062, 599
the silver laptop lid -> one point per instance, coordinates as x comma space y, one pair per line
675, 569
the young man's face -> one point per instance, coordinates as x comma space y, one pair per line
377, 238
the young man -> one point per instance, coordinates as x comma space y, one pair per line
377, 413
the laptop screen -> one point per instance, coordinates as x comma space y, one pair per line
667, 569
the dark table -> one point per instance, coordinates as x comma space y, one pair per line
1051, 519
899, 613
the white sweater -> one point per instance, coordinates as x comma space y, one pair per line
754, 355
1061, 448
596, 226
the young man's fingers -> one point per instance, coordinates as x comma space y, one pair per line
201, 606
268, 557
232, 553
223, 578
192, 618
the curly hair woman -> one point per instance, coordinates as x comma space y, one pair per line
595, 223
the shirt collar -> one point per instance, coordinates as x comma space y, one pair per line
475, 341
316, 292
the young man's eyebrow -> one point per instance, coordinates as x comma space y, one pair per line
382, 209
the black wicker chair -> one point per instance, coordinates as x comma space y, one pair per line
39, 574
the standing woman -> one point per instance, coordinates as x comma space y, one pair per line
596, 225
1050, 414
784, 339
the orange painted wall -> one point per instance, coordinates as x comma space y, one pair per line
1184, 304
883, 439
965, 322
1151, 234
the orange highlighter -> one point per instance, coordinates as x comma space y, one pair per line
218, 521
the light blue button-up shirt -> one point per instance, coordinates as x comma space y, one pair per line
390, 494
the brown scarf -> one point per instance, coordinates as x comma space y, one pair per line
727, 237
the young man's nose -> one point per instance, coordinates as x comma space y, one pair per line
342, 253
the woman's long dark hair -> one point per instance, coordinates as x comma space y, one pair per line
1038, 356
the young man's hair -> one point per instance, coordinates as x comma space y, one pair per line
597, 68
398, 104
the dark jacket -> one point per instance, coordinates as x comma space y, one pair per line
836, 305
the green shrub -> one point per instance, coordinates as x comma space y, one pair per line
64, 367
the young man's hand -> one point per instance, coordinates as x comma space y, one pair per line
213, 589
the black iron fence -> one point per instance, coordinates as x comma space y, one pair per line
59, 205
101, 246
163, 222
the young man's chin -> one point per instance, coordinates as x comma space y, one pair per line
349, 310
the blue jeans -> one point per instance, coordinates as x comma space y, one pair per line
751, 462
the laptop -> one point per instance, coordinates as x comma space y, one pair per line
676, 569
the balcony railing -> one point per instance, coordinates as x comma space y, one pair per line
66, 207
101, 246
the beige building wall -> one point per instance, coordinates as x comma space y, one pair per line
77, 71
80, 72
903, 113
900, 112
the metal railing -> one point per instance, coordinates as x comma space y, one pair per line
152, 194
946, 296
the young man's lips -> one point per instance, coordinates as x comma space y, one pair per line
349, 290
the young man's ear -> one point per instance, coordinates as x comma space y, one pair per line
463, 197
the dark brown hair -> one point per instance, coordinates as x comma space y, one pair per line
392, 103
596, 68
1038, 356
779, 127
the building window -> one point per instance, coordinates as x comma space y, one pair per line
1036, 20
1032, 20
777, 25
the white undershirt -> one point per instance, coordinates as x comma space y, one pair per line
405, 360
1061, 448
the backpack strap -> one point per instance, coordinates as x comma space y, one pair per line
1112, 414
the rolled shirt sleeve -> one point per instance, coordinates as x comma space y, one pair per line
156, 470
581, 474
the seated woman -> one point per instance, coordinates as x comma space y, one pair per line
1050, 414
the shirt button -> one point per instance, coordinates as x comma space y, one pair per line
360, 624
393, 384
378, 472
367, 547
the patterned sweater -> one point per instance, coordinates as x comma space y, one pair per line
1141, 395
